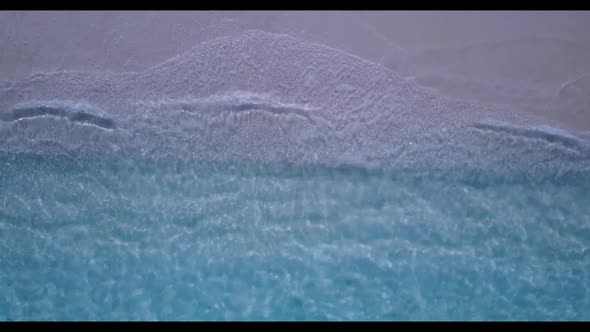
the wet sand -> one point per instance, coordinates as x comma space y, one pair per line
536, 62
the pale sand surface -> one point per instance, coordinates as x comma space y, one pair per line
536, 62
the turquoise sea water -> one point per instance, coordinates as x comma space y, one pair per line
125, 238
261, 177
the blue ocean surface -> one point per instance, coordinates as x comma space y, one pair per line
131, 238
261, 177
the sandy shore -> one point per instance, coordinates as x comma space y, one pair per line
537, 62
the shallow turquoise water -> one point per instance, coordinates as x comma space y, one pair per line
124, 238
213, 187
